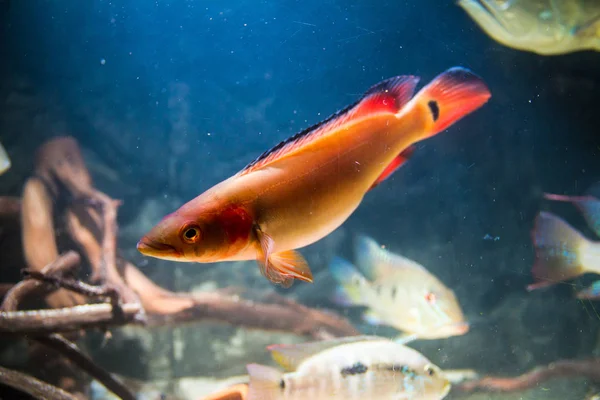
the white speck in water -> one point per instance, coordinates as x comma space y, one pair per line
102, 61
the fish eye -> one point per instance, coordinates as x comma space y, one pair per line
429, 370
191, 234
430, 297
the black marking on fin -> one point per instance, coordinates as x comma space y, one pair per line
389, 85
356, 369
435, 109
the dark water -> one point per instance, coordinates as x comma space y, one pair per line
167, 98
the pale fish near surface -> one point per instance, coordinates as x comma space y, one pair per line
545, 27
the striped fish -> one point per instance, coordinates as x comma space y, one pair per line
358, 367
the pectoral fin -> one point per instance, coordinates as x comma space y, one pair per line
281, 267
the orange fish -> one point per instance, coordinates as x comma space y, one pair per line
307, 186
235, 392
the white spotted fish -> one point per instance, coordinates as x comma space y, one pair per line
398, 292
358, 367
4, 160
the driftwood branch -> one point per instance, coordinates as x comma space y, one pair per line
72, 352
34, 387
41, 321
65, 263
63, 320
10, 206
589, 369
167, 308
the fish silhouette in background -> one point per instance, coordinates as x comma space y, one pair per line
307, 186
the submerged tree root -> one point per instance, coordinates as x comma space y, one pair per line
589, 368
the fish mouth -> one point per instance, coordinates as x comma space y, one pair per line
156, 249
461, 328
453, 329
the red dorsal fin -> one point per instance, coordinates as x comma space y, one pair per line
387, 96
399, 161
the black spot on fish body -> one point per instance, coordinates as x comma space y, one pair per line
435, 109
356, 369
378, 290
282, 384
394, 289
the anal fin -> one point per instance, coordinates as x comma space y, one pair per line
399, 161
282, 267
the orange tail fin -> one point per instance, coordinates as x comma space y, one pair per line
558, 250
451, 96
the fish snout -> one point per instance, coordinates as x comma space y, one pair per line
152, 248
462, 328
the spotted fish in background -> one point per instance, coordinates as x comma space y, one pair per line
4, 160
307, 186
359, 367
398, 292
